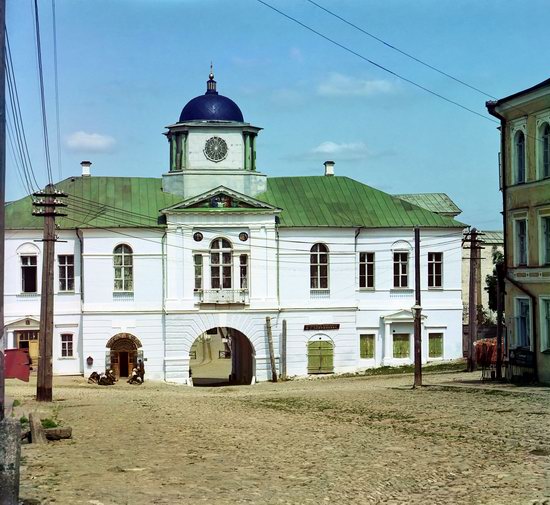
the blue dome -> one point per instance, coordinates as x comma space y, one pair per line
211, 107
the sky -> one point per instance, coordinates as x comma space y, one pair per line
126, 68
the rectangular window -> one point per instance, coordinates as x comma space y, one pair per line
523, 323
366, 346
243, 266
435, 270
401, 345
435, 345
546, 240
66, 272
28, 274
66, 346
521, 241
400, 269
197, 261
545, 304
366, 270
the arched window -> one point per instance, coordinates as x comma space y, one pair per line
124, 269
519, 142
221, 263
544, 144
318, 267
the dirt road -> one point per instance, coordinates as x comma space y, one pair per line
340, 441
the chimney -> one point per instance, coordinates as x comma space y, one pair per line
86, 168
329, 168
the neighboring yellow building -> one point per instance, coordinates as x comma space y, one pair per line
525, 185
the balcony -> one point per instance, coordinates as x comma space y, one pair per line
223, 296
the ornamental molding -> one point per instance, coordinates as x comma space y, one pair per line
543, 117
123, 336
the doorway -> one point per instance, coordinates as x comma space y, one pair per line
220, 357
123, 354
320, 356
28, 340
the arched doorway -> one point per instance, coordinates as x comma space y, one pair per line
320, 355
221, 356
124, 352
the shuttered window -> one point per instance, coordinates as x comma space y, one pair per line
366, 346
435, 345
401, 345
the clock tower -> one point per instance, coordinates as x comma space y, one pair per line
211, 145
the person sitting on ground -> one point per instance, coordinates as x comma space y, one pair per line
93, 378
134, 377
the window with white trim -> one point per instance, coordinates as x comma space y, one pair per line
435, 345
66, 345
319, 267
29, 273
366, 270
243, 270
545, 240
544, 146
197, 262
545, 324
124, 268
66, 272
521, 241
435, 269
366, 346
221, 264
400, 269
523, 322
519, 157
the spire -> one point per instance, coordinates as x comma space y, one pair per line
211, 83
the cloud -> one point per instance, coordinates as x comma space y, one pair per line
342, 85
90, 142
343, 151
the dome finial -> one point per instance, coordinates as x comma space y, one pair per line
211, 83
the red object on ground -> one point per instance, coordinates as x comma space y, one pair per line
486, 351
17, 364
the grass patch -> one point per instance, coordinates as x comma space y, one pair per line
49, 423
16, 403
23, 421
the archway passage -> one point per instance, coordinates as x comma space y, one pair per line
220, 357
123, 354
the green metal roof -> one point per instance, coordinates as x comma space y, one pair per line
135, 202
342, 202
492, 237
435, 202
98, 202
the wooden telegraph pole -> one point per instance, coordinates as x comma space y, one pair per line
417, 312
473, 297
47, 203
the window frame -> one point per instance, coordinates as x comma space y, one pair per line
244, 270
198, 268
67, 346
432, 264
24, 267
544, 238
317, 251
543, 150
364, 265
517, 241
373, 335
527, 341
400, 274
544, 304
126, 251
222, 248
519, 157
442, 356
64, 267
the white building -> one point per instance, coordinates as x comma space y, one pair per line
150, 267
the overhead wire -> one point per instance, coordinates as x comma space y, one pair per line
381, 67
56, 82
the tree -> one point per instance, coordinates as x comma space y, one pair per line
491, 280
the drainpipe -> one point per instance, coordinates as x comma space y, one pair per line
357, 232
278, 272
163, 301
491, 107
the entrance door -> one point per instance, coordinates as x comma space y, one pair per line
320, 357
123, 364
28, 339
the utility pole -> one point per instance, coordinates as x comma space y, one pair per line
417, 312
473, 297
500, 310
47, 203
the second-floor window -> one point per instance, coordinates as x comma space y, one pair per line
66, 272
544, 143
400, 269
197, 262
523, 323
545, 240
435, 269
221, 263
318, 267
521, 241
519, 158
366, 270
243, 270
28, 274
124, 268
66, 346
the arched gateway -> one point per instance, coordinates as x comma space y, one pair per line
221, 356
124, 352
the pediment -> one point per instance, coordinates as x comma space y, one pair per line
221, 199
401, 315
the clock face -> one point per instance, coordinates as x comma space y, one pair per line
215, 149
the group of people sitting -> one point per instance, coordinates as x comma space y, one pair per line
108, 378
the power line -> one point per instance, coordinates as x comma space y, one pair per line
408, 55
385, 69
42, 95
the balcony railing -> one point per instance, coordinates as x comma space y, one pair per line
223, 296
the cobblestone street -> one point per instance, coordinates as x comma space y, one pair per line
334, 440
